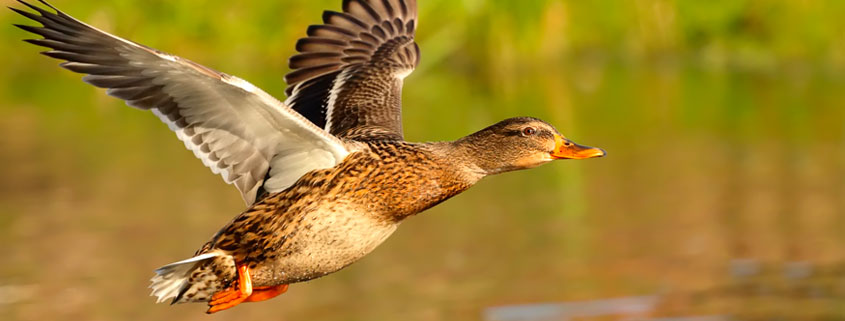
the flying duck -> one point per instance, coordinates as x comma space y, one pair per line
326, 173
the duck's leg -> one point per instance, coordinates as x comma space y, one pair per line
266, 292
235, 295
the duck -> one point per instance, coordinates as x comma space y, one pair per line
326, 174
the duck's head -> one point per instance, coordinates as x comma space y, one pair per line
520, 143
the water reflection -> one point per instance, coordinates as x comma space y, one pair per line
752, 291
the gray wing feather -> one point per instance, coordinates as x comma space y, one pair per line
237, 130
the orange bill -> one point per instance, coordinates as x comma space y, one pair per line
566, 149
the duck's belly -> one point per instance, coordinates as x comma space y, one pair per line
329, 240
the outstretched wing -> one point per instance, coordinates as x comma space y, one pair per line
348, 75
240, 132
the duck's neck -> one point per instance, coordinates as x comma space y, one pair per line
469, 159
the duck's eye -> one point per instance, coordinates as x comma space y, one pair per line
528, 131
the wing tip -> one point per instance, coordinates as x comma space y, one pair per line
40, 10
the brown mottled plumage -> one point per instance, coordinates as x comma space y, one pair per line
326, 174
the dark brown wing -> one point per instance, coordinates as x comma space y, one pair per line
348, 75
237, 130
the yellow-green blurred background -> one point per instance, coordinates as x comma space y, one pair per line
723, 193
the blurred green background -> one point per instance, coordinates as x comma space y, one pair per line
723, 192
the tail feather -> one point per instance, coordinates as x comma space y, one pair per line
173, 279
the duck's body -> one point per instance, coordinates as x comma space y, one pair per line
326, 174
330, 218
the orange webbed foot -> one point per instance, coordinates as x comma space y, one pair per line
233, 296
266, 292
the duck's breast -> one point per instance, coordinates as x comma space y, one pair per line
344, 213
331, 237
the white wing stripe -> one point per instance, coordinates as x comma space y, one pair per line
337, 86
